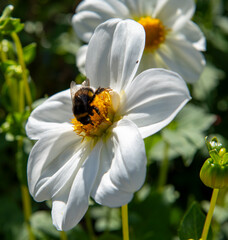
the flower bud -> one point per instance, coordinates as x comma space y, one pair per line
214, 172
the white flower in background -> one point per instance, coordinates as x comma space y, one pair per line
173, 41
99, 151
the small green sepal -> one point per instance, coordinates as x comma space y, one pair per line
214, 172
213, 144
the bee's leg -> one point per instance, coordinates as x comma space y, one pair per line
99, 90
96, 109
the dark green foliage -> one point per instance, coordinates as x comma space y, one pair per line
192, 223
49, 47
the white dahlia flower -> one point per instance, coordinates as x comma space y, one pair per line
96, 149
173, 41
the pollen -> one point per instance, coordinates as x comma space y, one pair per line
101, 117
155, 32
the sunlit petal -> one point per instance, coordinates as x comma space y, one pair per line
81, 58
174, 13
119, 47
192, 33
70, 205
123, 166
183, 58
50, 155
159, 97
51, 114
90, 14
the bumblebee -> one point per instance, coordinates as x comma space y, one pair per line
82, 99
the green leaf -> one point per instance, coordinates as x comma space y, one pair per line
10, 25
29, 53
6, 64
150, 217
155, 151
41, 222
109, 236
207, 82
180, 144
9, 49
188, 135
191, 226
185, 135
107, 218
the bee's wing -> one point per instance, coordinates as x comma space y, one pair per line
73, 89
86, 83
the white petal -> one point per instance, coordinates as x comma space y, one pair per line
128, 168
84, 24
153, 100
52, 114
61, 170
107, 194
192, 33
114, 53
151, 60
50, 157
112, 8
81, 58
139, 8
174, 13
90, 14
70, 205
181, 57
123, 166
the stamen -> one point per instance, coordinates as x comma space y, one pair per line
155, 32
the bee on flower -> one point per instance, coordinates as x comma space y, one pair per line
90, 137
173, 41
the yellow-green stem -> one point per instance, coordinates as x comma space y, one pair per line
23, 67
27, 209
124, 210
63, 235
210, 214
21, 97
3, 54
164, 168
9, 83
89, 226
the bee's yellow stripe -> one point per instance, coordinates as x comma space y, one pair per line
82, 115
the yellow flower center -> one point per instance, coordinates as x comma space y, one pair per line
101, 118
155, 32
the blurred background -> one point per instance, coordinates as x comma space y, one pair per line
153, 214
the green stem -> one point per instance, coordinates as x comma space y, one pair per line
164, 168
21, 97
89, 226
26, 200
63, 235
108, 217
9, 83
23, 67
210, 214
27, 209
124, 210
3, 55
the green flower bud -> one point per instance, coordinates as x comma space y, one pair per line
222, 151
214, 172
7, 12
